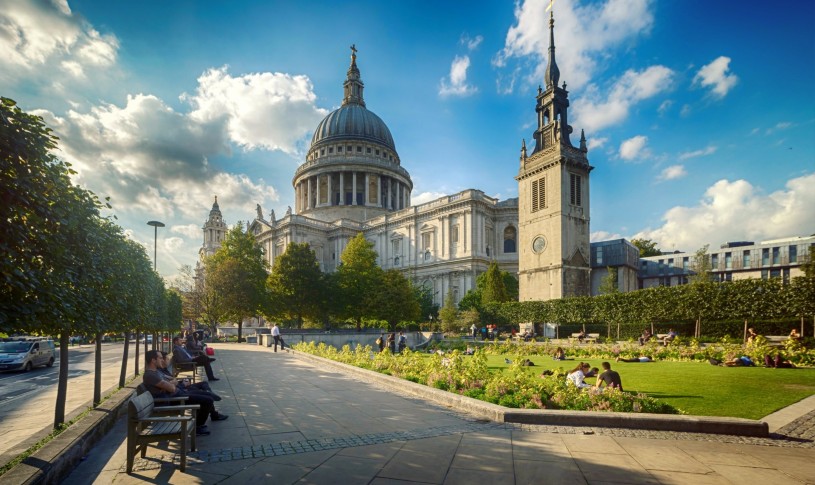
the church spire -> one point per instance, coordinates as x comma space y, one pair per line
552, 72
353, 85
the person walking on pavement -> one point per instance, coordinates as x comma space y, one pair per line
277, 338
181, 355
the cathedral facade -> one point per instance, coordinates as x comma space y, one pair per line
353, 181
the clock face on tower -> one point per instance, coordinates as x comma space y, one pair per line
539, 244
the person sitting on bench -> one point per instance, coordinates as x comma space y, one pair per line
181, 355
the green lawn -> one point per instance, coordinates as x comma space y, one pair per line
700, 388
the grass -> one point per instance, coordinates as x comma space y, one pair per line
699, 388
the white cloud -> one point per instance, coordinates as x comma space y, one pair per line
192, 231
736, 211
457, 83
595, 142
664, 107
173, 243
426, 197
37, 36
634, 148
262, 110
782, 125
686, 111
604, 236
673, 172
471, 43
716, 77
698, 153
583, 35
595, 111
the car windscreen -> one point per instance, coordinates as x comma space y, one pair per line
14, 347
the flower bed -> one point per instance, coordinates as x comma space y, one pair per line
517, 387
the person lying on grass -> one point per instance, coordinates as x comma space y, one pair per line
642, 358
578, 374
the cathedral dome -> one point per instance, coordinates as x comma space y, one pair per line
353, 122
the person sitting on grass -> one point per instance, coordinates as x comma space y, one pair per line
469, 351
560, 354
778, 362
578, 374
641, 358
593, 372
609, 377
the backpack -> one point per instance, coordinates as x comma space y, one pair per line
379, 341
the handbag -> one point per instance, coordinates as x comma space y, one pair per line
210, 351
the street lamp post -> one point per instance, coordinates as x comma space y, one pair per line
156, 225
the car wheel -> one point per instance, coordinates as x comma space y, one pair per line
28, 366
50, 362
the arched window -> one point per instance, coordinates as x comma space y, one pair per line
546, 117
510, 236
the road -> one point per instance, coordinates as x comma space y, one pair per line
27, 398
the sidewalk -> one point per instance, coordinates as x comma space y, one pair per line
291, 422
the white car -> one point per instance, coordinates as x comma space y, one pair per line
26, 353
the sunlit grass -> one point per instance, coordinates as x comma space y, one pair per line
699, 388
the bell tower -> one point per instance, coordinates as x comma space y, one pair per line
214, 232
553, 199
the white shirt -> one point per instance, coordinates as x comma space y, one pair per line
576, 378
275, 331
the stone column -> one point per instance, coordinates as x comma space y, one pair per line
330, 193
353, 188
342, 188
317, 190
366, 195
399, 196
379, 191
308, 201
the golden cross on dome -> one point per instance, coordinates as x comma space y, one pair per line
550, 5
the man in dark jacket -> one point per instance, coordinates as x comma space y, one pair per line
180, 354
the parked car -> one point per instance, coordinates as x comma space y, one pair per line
26, 353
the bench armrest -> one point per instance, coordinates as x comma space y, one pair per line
176, 408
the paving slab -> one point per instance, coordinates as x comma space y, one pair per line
315, 425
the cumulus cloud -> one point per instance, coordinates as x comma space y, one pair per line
664, 107
597, 236
426, 197
456, 83
596, 142
592, 31
173, 243
672, 172
737, 210
698, 153
36, 36
782, 125
597, 110
634, 148
265, 110
716, 77
191, 231
472, 43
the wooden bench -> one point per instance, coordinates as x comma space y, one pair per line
776, 340
590, 337
145, 426
176, 368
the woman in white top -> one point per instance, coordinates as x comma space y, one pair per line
577, 375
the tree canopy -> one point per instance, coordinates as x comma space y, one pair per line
296, 285
647, 247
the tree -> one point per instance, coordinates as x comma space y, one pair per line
424, 295
296, 284
191, 292
473, 299
609, 283
396, 300
808, 267
449, 313
701, 268
237, 273
647, 247
358, 280
493, 290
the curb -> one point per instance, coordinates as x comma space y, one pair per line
57, 459
501, 414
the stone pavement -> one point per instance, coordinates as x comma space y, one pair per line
292, 422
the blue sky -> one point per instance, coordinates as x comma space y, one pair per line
700, 115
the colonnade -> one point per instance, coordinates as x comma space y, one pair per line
351, 188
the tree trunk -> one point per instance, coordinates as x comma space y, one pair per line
745, 330
618, 330
652, 328
123, 372
62, 383
97, 372
145, 343
136, 358
240, 330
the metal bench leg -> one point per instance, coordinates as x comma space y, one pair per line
184, 446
